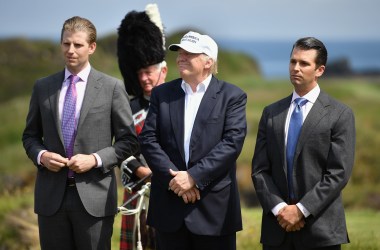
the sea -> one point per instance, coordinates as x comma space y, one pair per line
273, 56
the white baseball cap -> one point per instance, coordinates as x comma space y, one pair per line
194, 42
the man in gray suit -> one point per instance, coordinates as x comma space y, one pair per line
75, 154
303, 158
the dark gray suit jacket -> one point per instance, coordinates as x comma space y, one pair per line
323, 163
216, 142
105, 127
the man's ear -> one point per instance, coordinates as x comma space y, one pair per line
92, 48
320, 70
209, 63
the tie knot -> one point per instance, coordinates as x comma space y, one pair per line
74, 78
300, 101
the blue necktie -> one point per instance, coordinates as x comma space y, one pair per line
295, 126
68, 119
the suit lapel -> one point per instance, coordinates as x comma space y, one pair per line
54, 91
317, 112
206, 106
279, 119
92, 90
177, 109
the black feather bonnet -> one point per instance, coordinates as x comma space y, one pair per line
140, 44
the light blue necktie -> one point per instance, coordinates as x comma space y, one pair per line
68, 119
295, 126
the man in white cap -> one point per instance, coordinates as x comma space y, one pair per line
192, 137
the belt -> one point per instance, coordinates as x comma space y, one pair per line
71, 182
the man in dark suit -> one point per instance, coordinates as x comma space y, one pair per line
303, 159
192, 137
76, 133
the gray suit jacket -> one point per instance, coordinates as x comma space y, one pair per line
105, 127
323, 163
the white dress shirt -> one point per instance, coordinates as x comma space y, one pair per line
80, 88
192, 102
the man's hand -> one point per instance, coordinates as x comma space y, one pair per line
81, 163
191, 196
297, 226
142, 171
52, 161
181, 182
290, 218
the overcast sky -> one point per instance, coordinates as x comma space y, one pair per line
228, 19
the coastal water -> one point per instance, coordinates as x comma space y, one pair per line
273, 56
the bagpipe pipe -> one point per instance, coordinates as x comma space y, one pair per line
133, 186
140, 189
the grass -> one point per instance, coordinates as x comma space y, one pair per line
362, 226
17, 173
363, 229
17, 221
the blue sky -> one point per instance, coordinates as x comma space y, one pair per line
238, 19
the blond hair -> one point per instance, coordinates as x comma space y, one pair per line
214, 66
77, 23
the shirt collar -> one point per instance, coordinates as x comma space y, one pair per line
201, 87
146, 97
83, 75
311, 96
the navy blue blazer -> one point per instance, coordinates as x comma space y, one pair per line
216, 142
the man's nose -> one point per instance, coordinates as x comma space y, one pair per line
71, 48
296, 67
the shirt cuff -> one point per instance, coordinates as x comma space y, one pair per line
39, 157
98, 160
303, 209
278, 207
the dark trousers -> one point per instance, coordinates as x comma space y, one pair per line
72, 227
183, 239
291, 243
